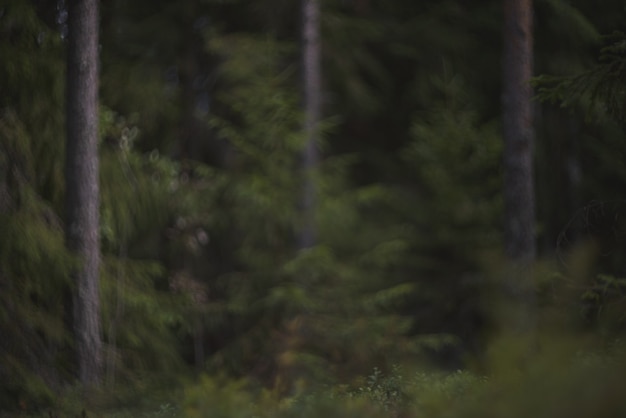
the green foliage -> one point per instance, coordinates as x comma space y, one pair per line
139, 313
560, 386
138, 320
566, 33
356, 74
251, 206
31, 106
426, 393
220, 398
34, 264
601, 85
387, 391
572, 18
200, 263
217, 397
450, 206
604, 306
260, 123
377, 395
135, 188
312, 302
561, 381
450, 190
148, 398
33, 276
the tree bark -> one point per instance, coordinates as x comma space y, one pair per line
519, 199
311, 75
82, 187
519, 194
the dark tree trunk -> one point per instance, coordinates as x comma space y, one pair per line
519, 194
82, 188
311, 75
519, 200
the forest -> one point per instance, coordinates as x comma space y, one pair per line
313, 208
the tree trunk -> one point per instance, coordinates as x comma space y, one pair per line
312, 109
311, 85
519, 194
82, 188
518, 132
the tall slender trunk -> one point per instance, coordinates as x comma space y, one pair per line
518, 133
82, 188
295, 331
311, 76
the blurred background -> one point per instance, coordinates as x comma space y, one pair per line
211, 296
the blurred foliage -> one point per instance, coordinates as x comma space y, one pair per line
602, 85
553, 385
209, 309
313, 302
34, 264
452, 214
560, 381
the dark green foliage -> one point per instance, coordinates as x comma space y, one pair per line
35, 267
597, 225
552, 387
375, 395
201, 133
33, 261
401, 391
453, 211
31, 104
144, 306
252, 216
602, 85
560, 382
314, 303
603, 304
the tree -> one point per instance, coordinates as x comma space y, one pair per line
311, 74
82, 187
